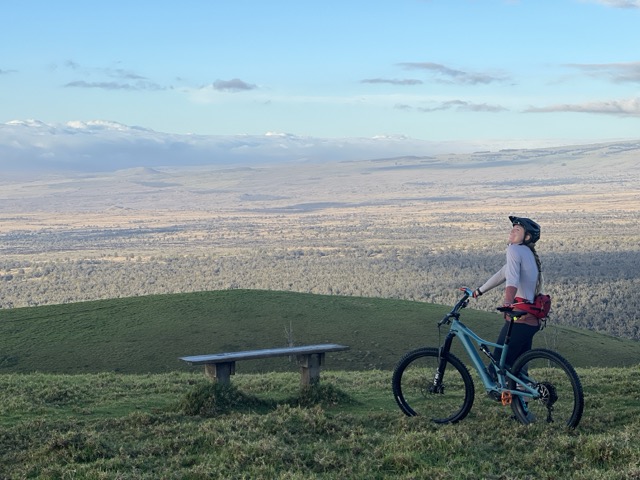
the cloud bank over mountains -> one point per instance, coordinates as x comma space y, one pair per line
101, 145
28, 146
32, 145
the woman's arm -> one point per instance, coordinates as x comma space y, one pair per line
498, 278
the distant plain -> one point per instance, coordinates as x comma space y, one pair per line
408, 227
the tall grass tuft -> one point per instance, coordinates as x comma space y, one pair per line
325, 395
212, 399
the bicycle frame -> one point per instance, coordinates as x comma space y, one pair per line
468, 337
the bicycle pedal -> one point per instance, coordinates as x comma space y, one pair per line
506, 398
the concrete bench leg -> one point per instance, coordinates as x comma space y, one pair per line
220, 372
310, 368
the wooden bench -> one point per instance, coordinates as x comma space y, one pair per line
220, 366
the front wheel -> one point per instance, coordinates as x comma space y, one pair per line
560, 399
420, 389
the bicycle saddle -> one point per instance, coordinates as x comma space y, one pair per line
511, 311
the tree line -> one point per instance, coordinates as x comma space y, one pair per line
591, 289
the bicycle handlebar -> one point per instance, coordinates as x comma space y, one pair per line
464, 300
468, 292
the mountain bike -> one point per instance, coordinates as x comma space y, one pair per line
540, 386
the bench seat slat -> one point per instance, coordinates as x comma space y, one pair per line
266, 353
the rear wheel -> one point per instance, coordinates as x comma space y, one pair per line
561, 399
417, 391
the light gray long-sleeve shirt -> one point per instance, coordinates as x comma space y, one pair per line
520, 271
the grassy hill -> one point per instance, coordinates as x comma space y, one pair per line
102, 424
148, 334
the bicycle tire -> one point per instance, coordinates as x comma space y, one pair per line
561, 403
413, 380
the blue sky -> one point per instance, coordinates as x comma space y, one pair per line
525, 72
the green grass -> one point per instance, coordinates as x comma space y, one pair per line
148, 334
95, 390
114, 426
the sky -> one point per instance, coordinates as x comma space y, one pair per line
515, 73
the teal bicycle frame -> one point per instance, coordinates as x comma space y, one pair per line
467, 337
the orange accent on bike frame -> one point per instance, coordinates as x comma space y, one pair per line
506, 398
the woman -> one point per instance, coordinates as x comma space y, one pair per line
523, 279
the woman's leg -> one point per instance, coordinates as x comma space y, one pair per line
521, 341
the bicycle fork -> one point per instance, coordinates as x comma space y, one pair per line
437, 386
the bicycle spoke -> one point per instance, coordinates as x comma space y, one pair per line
449, 400
561, 402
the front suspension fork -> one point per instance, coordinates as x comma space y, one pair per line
436, 386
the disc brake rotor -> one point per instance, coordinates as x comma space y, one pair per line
548, 394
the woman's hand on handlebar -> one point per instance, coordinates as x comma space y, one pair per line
468, 292
471, 293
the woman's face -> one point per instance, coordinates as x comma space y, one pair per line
516, 236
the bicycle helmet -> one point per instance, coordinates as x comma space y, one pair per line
530, 227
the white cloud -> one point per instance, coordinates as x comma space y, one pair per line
233, 85
626, 107
462, 105
628, 72
445, 74
618, 3
112, 78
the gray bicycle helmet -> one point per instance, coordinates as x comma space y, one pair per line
530, 227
